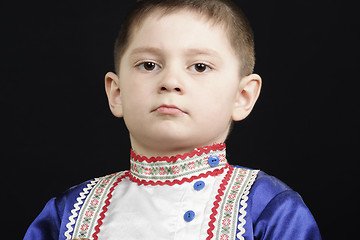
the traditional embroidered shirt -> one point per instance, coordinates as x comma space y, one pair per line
197, 195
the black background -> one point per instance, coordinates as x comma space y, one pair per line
59, 131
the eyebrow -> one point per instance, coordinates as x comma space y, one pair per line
188, 51
202, 51
146, 50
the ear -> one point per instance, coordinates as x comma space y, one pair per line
113, 93
248, 93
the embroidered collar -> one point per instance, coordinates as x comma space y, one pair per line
180, 168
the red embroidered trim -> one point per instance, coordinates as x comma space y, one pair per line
177, 181
221, 190
197, 151
107, 203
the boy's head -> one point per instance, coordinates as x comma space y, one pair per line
221, 12
182, 75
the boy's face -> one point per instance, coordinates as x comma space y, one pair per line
179, 85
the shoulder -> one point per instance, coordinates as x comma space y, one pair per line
68, 204
276, 210
76, 194
280, 212
73, 192
266, 190
263, 190
52, 219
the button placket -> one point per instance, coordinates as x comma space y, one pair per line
199, 185
190, 214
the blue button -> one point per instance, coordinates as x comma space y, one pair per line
199, 185
189, 216
213, 160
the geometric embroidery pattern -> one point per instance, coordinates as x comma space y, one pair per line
92, 207
233, 190
74, 211
175, 170
242, 210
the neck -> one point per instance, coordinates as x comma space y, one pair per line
165, 150
161, 152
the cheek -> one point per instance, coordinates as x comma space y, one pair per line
214, 105
223, 101
133, 104
133, 92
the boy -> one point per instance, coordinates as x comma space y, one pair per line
183, 74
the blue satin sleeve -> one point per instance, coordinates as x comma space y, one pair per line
50, 224
275, 211
46, 225
286, 217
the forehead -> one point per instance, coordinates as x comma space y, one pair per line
180, 30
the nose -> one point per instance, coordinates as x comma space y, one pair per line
168, 89
170, 82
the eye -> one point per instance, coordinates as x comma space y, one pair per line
200, 68
148, 66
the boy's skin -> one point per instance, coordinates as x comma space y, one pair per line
198, 102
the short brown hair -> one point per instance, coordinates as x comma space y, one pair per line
223, 12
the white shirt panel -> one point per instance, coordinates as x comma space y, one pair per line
157, 212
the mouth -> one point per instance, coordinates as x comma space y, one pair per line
169, 110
